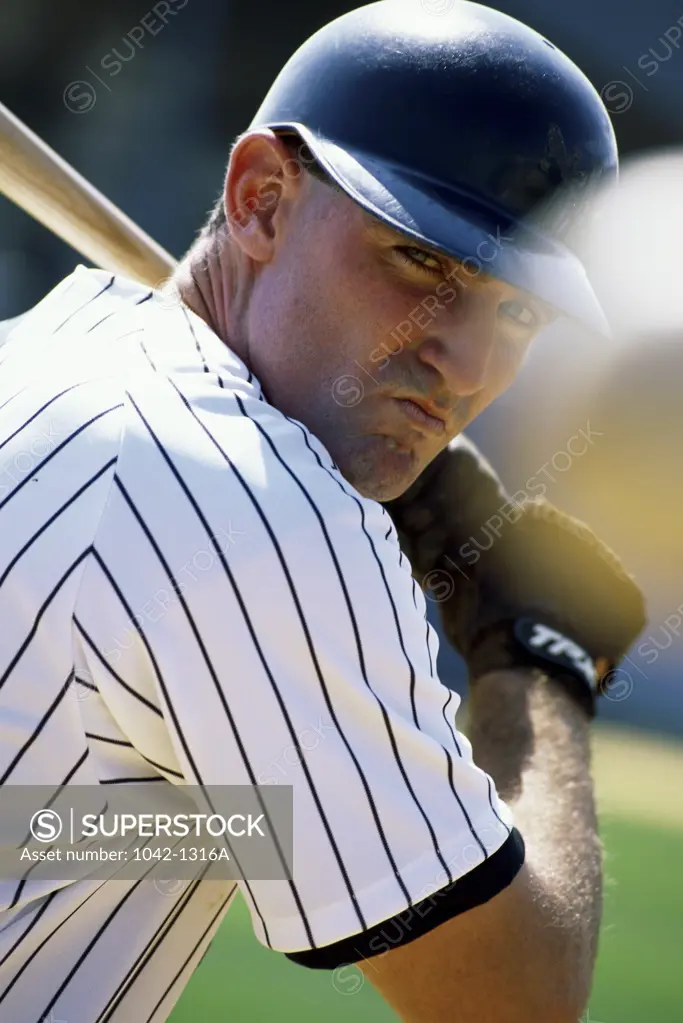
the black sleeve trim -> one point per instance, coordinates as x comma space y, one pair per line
473, 889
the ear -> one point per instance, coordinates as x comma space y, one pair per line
261, 184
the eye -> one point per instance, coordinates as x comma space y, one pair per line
523, 315
414, 256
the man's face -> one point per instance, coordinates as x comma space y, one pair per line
353, 327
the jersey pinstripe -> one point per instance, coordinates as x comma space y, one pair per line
192, 593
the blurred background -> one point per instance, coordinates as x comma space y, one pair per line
144, 99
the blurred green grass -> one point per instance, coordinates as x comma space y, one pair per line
639, 978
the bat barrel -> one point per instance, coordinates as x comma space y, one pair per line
46, 186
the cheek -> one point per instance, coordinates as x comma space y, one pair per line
509, 358
307, 333
504, 368
372, 293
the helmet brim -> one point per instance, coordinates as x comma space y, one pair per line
458, 226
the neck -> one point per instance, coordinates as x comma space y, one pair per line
208, 283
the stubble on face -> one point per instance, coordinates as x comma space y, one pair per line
318, 313
331, 298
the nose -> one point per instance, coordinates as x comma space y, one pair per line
461, 348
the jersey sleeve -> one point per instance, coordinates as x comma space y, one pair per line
249, 618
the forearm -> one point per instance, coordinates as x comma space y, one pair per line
534, 741
547, 589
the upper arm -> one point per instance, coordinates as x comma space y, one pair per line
249, 619
497, 963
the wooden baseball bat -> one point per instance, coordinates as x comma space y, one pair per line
46, 186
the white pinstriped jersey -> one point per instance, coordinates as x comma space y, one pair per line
234, 612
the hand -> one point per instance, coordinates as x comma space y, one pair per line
523, 583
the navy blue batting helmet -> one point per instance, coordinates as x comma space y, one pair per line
459, 130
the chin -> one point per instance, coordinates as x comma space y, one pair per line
382, 491
380, 473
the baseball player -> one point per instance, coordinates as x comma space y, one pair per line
200, 506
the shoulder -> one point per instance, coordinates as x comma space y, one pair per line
223, 448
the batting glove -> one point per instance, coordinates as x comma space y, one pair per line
518, 584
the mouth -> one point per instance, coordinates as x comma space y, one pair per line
423, 415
